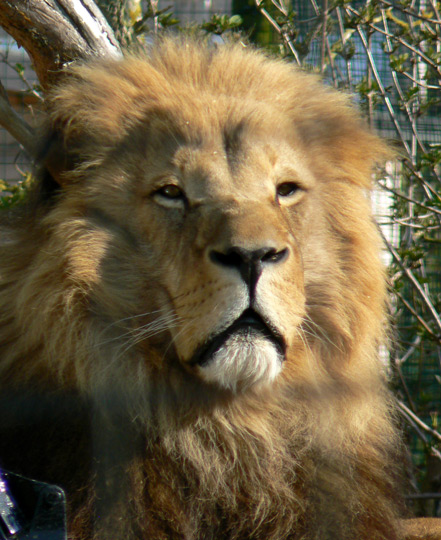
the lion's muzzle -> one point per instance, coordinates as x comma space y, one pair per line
249, 351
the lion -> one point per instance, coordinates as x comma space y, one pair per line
192, 303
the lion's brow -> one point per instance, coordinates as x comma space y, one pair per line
232, 138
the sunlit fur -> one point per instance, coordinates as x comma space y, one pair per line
107, 289
248, 359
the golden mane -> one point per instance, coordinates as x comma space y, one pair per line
158, 453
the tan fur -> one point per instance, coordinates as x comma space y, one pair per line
422, 529
108, 288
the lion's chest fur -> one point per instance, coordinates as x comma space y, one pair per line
198, 477
200, 482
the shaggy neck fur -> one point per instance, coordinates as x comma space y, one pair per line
258, 468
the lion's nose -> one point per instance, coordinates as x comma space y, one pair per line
250, 263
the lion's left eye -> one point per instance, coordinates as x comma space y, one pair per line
170, 196
287, 189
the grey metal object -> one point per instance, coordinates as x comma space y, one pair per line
31, 510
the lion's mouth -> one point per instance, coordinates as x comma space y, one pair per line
249, 322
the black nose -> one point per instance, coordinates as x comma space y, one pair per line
250, 263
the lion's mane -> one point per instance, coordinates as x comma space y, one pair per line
142, 448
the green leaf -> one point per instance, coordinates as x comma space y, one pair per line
235, 20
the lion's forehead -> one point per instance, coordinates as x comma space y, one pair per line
213, 166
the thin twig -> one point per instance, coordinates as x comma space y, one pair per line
397, 38
343, 41
385, 97
419, 83
324, 35
399, 90
414, 282
279, 30
414, 14
435, 9
423, 496
409, 352
398, 369
418, 421
413, 201
30, 88
319, 15
415, 427
428, 189
417, 316
279, 6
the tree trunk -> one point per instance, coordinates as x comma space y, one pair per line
56, 32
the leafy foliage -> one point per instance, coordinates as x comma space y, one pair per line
219, 24
12, 193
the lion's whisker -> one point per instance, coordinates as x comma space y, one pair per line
301, 333
315, 330
138, 339
181, 332
159, 324
130, 318
140, 336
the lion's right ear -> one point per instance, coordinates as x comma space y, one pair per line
53, 159
89, 113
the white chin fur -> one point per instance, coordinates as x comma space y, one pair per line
244, 360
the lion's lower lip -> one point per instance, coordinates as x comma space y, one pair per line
249, 321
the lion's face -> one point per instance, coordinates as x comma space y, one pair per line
218, 219
232, 269
215, 224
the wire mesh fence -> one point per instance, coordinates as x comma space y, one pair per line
18, 79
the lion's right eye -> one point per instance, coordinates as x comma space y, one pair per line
170, 192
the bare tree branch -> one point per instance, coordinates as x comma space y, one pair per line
417, 316
412, 12
418, 52
380, 84
324, 35
397, 85
56, 32
405, 197
279, 30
